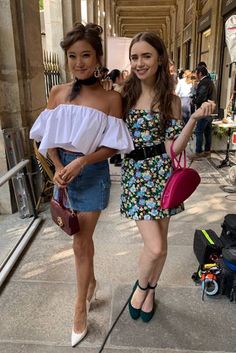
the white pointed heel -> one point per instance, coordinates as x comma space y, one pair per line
77, 337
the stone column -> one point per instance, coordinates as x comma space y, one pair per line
90, 9
173, 32
53, 17
71, 13
194, 36
95, 11
22, 91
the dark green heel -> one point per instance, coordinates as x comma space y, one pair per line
135, 313
146, 317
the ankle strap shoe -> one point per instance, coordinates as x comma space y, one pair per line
135, 313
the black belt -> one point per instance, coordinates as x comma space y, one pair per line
146, 152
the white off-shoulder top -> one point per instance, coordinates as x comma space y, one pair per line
80, 129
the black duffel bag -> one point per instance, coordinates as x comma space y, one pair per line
228, 234
227, 279
206, 243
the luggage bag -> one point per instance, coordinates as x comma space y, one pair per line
228, 234
206, 243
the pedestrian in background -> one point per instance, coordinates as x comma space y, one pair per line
80, 129
183, 90
205, 91
153, 117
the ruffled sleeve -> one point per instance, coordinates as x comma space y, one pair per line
38, 129
173, 129
117, 136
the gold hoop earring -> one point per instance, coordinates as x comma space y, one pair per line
97, 71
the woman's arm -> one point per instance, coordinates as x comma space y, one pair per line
52, 152
180, 144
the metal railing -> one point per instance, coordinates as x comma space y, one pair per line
52, 74
10, 260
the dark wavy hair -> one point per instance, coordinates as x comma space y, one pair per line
90, 32
114, 74
163, 87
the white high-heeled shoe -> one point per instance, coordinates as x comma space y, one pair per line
77, 337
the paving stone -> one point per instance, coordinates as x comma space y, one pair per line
182, 322
43, 312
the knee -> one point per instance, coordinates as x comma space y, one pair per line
158, 253
82, 248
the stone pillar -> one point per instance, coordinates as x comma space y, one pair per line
53, 18
95, 11
90, 9
71, 13
173, 32
22, 91
194, 36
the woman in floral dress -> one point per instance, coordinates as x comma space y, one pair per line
153, 116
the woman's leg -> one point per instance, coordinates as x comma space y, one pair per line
84, 251
152, 258
160, 261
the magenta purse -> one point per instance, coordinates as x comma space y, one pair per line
181, 184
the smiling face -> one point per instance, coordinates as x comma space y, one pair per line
82, 59
144, 61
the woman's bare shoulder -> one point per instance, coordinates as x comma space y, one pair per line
58, 95
115, 103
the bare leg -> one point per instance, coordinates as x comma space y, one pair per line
83, 250
152, 259
160, 261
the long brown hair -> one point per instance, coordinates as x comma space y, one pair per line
90, 32
164, 85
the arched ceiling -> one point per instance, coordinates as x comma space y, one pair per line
143, 15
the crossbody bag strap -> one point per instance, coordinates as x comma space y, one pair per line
177, 159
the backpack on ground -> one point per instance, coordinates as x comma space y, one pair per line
228, 234
227, 278
206, 245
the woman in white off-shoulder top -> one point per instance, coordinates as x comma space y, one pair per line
80, 129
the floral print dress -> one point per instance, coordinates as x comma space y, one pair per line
143, 181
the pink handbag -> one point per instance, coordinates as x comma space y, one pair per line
181, 184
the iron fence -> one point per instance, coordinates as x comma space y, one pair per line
52, 74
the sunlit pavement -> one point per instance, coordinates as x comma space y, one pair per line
37, 302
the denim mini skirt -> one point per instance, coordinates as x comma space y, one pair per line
90, 190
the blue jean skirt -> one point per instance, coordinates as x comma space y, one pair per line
90, 190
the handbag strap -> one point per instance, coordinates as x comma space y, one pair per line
63, 197
177, 159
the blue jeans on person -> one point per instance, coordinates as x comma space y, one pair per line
203, 130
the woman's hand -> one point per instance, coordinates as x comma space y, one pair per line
58, 180
71, 170
107, 84
206, 109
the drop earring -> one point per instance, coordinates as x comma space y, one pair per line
97, 71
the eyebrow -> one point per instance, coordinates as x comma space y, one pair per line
83, 52
148, 53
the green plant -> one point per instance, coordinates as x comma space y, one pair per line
41, 5
219, 131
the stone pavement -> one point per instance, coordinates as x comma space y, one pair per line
37, 302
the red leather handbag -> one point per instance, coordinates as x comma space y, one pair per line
181, 184
65, 218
